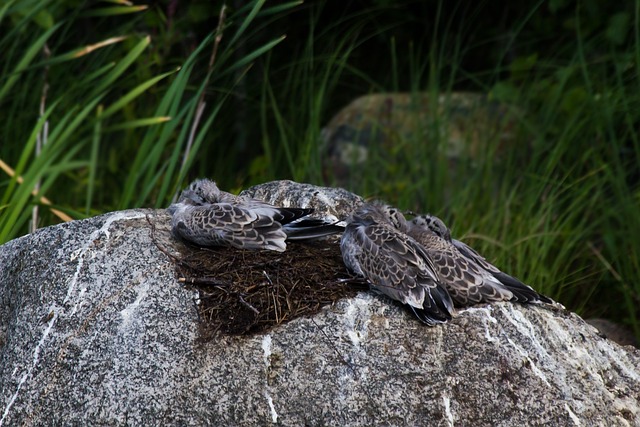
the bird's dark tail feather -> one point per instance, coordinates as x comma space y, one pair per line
430, 318
311, 228
438, 308
292, 214
521, 292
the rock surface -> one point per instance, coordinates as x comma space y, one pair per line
614, 331
95, 330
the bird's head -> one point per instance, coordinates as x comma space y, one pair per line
434, 224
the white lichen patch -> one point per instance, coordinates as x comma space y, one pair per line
447, 410
356, 319
274, 414
34, 363
487, 318
625, 366
266, 348
81, 253
534, 368
129, 311
80, 299
574, 418
525, 327
577, 356
266, 355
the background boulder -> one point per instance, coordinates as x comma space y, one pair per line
96, 330
378, 125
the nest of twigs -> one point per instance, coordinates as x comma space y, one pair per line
244, 292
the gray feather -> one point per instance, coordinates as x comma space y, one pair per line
468, 276
394, 263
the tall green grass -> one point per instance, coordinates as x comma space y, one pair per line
127, 123
99, 134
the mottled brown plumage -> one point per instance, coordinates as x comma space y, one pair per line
394, 263
469, 277
207, 216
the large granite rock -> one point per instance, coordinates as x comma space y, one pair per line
96, 330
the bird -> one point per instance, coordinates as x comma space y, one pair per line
207, 216
393, 263
203, 191
467, 275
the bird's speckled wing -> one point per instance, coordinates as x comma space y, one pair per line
398, 267
226, 224
466, 282
206, 192
472, 254
468, 259
208, 216
521, 292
